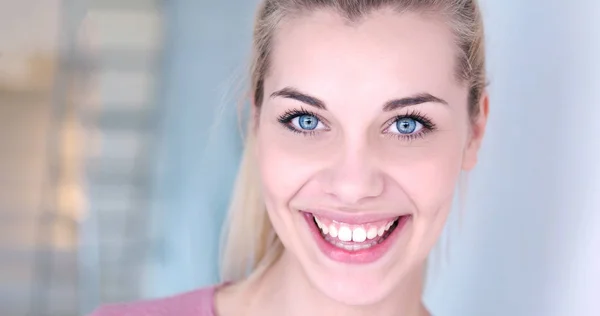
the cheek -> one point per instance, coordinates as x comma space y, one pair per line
432, 183
288, 161
277, 179
428, 179
428, 173
286, 164
283, 170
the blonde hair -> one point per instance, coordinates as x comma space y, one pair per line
250, 242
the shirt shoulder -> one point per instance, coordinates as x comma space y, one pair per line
195, 303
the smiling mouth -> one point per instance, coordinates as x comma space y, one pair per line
356, 242
354, 238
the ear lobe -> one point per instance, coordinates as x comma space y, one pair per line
477, 132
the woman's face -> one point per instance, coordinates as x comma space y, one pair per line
362, 135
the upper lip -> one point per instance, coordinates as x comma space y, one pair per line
353, 217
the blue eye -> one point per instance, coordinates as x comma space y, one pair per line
302, 121
306, 122
406, 125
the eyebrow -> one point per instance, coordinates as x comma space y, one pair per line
291, 93
294, 94
412, 100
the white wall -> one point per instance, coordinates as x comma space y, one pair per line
530, 240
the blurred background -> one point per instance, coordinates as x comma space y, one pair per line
119, 144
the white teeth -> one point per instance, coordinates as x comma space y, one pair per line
372, 233
359, 234
355, 233
318, 222
322, 227
333, 231
345, 234
352, 247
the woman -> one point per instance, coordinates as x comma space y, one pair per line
364, 115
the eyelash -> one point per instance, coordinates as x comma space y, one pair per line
287, 117
428, 126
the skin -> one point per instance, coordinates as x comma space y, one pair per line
356, 161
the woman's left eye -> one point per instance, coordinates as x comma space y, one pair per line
405, 126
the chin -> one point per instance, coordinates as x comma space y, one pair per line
354, 289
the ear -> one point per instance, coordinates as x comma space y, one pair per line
252, 126
477, 132
253, 115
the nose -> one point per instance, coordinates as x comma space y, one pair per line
354, 177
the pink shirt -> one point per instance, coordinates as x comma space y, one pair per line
196, 303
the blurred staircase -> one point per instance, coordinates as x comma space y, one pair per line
24, 122
121, 118
77, 165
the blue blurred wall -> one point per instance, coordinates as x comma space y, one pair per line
206, 51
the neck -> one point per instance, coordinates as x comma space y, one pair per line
285, 287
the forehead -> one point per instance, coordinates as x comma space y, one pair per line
386, 53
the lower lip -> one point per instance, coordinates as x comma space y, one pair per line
362, 256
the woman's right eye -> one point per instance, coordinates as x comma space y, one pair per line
306, 122
302, 121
